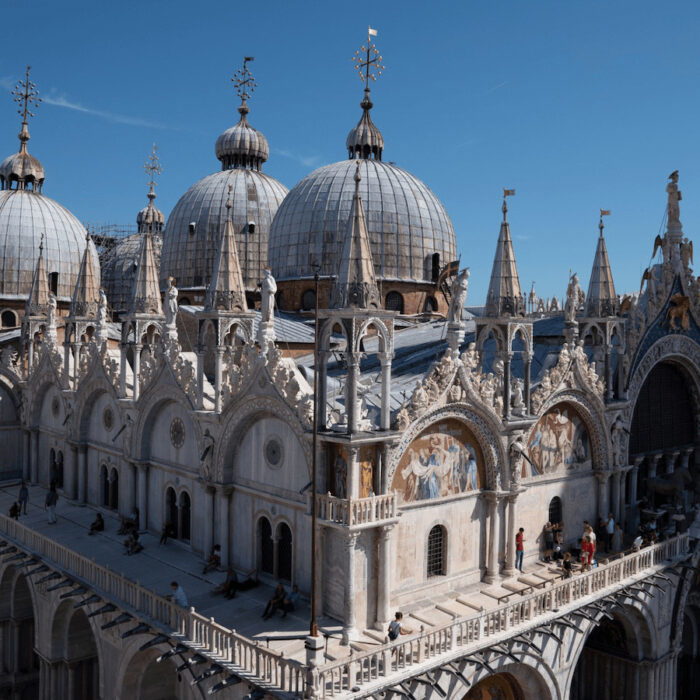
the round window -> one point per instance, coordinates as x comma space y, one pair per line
108, 418
177, 432
274, 453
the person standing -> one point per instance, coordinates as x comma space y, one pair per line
23, 497
519, 549
51, 501
396, 627
609, 532
178, 595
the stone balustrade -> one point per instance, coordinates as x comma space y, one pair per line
357, 512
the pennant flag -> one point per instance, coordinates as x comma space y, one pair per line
371, 32
508, 193
605, 212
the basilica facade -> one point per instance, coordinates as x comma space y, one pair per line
294, 376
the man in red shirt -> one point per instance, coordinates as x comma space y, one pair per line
519, 549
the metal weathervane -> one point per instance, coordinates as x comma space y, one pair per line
368, 61
152, 167
26, 96
243, 80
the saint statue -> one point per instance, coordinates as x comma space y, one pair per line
573, 296
268, 289
171, 305
674, 196
458, 290
102, 308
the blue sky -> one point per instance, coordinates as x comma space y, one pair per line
577, 105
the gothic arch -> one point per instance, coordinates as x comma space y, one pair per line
385, 344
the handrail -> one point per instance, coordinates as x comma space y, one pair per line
356, 511
337, 677
267, 665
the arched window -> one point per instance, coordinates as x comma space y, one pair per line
435, 266
308, 300
59, 470
53, 282
265, 546
555, 512
104, 485
437, 541
431, 305
114, 489
185, 514
9, 319
394, 302
52, 466
171, 511
284, 552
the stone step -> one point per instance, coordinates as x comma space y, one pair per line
498, 593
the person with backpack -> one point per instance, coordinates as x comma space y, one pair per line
396, 627
50, 505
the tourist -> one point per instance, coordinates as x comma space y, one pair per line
214, 561
23, 497
567, 564
587, 553
617, 538
98, 525
609, 532
396, 627
548, 532
132, 544
291, 601
275, 602
557, 553
229, 586
166, 532
50, 504
519, 549
14, 511
637, 543
178, 595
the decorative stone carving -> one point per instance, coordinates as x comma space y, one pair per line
458, 289
51, 319
171, 307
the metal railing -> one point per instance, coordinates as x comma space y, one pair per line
356, 511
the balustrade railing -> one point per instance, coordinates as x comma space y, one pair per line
356, 511
264, 664
336, 678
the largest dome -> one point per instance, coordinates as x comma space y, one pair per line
407, 224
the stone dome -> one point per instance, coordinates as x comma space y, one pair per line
242, 145
150, 218
193, 231
22, 170
24, 216
407, 223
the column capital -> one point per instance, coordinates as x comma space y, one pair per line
602, 477
491, 497
224, 489
638, 460
351, 540
385, 531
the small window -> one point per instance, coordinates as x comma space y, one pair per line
394, 302
555, 512
9, 319
431, 305
53, 282
436, 551
436, 266
308, 300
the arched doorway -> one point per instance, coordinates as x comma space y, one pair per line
114, 489
171, 511
185, 515
104, 485
146, 679
500, 686
688, 674
74, 650
284, 552
265, 546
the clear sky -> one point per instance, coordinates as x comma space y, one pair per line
577, 105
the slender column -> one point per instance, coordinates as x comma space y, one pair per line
322, 379
506, 384
623, 493
671, 458
608, 374
603, 503
614, 496
82, 474
122, 372
224, 523
385, 360
510, 569
653, 464
384, 564
66, 361
621, 393
349, 631
633, 481
35, 457
137, 370
491, 546
73, 380
30, 359
685, 457
143, 495
217, 378
200, 380
353, 475
27, 455
209, 501
351, 392
72, 481
526, 389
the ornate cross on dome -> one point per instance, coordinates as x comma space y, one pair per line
26, 96
243, 80
368, 61
152, 167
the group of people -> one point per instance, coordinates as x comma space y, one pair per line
282, 601
232, 585
19, 507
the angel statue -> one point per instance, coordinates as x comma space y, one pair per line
458, 290
171, 305
573, 296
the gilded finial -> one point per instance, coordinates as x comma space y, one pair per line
27, 97
152, 167
368, 61
504, 208
245, 84
601, 225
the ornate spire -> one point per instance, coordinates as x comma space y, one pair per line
242, 146
601, 299
38, 300
150, 218
356, 284
145, 295
365, 140
504, 296
23, 169
226, 291
86, 294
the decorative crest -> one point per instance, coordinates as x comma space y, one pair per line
368, 61
26, 96
244, 82
152, 167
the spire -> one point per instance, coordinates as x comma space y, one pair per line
242, 146
365, 140
601, 299
38, 300
226, 291
356, 284
150, 218
86, 294
504, 296
22, 169
145, 294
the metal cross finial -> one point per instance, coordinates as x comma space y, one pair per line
152, 167
368, 61
26, 96
243, 80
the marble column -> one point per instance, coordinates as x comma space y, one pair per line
510, 569
26, 455
385, 360
209, 517
72, 471
623, 493
353, 475
671, 458
122, 372
603, 502
633, 481
200, 380
506, 383
217, 378
384, 566
322, 387
224, 519
653, 465
137, 370
491, 544
82, 474
34, 469
349, 630
608, 374
526, 387
351, 392
614, 496
685, 457
143, 495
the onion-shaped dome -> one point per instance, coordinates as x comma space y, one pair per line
21, 170
119, 269
150, 218
242, 146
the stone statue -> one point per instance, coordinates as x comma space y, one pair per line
51, 316
617, 435
459, 288
554, 306
517, 454
674, 197
470, 357
517, 399
102, 308
171, 305
573, 295
205, 460
268, 289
